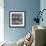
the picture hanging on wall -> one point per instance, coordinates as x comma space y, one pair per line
17, 18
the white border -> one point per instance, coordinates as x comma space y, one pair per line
11, 19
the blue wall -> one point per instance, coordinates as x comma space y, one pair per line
30, 6
43, 6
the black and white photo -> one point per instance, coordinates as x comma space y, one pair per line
17, 18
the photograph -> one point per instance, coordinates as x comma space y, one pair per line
17, 19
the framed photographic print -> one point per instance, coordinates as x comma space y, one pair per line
16, 18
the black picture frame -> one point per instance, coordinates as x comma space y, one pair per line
17, 19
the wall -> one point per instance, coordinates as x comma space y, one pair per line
42, 6
30, 6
